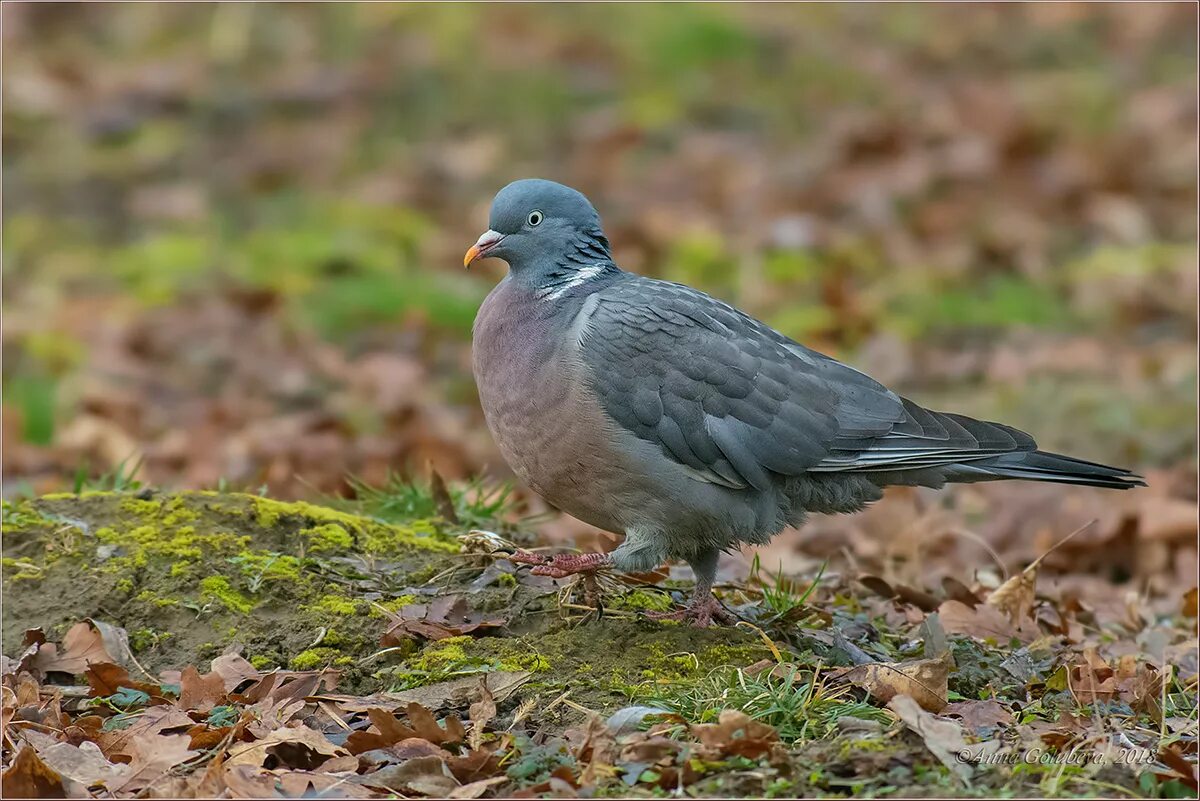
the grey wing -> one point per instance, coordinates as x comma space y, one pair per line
734, 401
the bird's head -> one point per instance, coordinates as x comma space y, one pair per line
537, 224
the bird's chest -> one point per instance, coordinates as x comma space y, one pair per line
536, 404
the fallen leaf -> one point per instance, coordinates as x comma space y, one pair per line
83, 645
389, 730
427, 775
979, 716
234, 670
446, 616
435, 696
477, 788
29, 777
481, 713
984, 622
1015, 597
83, 763
736, 734
152, 721
1190, 600
943, 738
152, 755
200, 693
297, 747
924, 680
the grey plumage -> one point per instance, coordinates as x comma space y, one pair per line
652, 409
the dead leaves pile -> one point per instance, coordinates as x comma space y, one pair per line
231, 732
236, 732
1054, 647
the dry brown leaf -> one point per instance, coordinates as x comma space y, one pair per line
943, 738
200, 693
1190, 600
105, 678
435, 696
477, 788
427, 775
1093, 681
29, 777
481, 713
297, 747
234, 670
925, 680
83, 763
445, 616
979, 716
985, 622
83, 645
1015, 597
736, 734
152, 755
152, 721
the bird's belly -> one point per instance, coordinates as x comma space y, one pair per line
559, 445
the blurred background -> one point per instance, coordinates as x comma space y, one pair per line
233, 232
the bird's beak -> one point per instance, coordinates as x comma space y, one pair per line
487, 240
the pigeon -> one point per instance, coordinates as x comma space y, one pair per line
655, 411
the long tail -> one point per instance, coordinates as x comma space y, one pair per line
1044, 466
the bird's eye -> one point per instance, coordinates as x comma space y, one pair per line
535, 218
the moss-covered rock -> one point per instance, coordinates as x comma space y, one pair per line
297, 585
209, 570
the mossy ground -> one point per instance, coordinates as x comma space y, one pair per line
195, 574
191, 575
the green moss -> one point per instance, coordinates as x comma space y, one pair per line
314, 658
179, 517
393, 605
180, 570
643, 600
144, 639
151, 597
124, 586
372, 536
140, 508
180, 543
266, 512
267, 565
442, 654
22, 571
532, 662
334, 605
218, 588
329, 537
261, 662
507, 580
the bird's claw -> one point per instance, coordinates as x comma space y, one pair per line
701, 613
567, 564
523, 557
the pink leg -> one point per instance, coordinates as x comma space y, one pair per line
701, 611
523, 557
560, 565
566, 564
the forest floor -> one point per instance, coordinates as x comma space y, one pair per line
191, 644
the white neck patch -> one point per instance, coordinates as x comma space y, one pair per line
581, 276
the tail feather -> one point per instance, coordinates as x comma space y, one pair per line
1045, 466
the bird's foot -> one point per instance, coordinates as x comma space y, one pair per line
701, 612
563, 564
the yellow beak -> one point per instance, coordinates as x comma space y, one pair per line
487, 240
